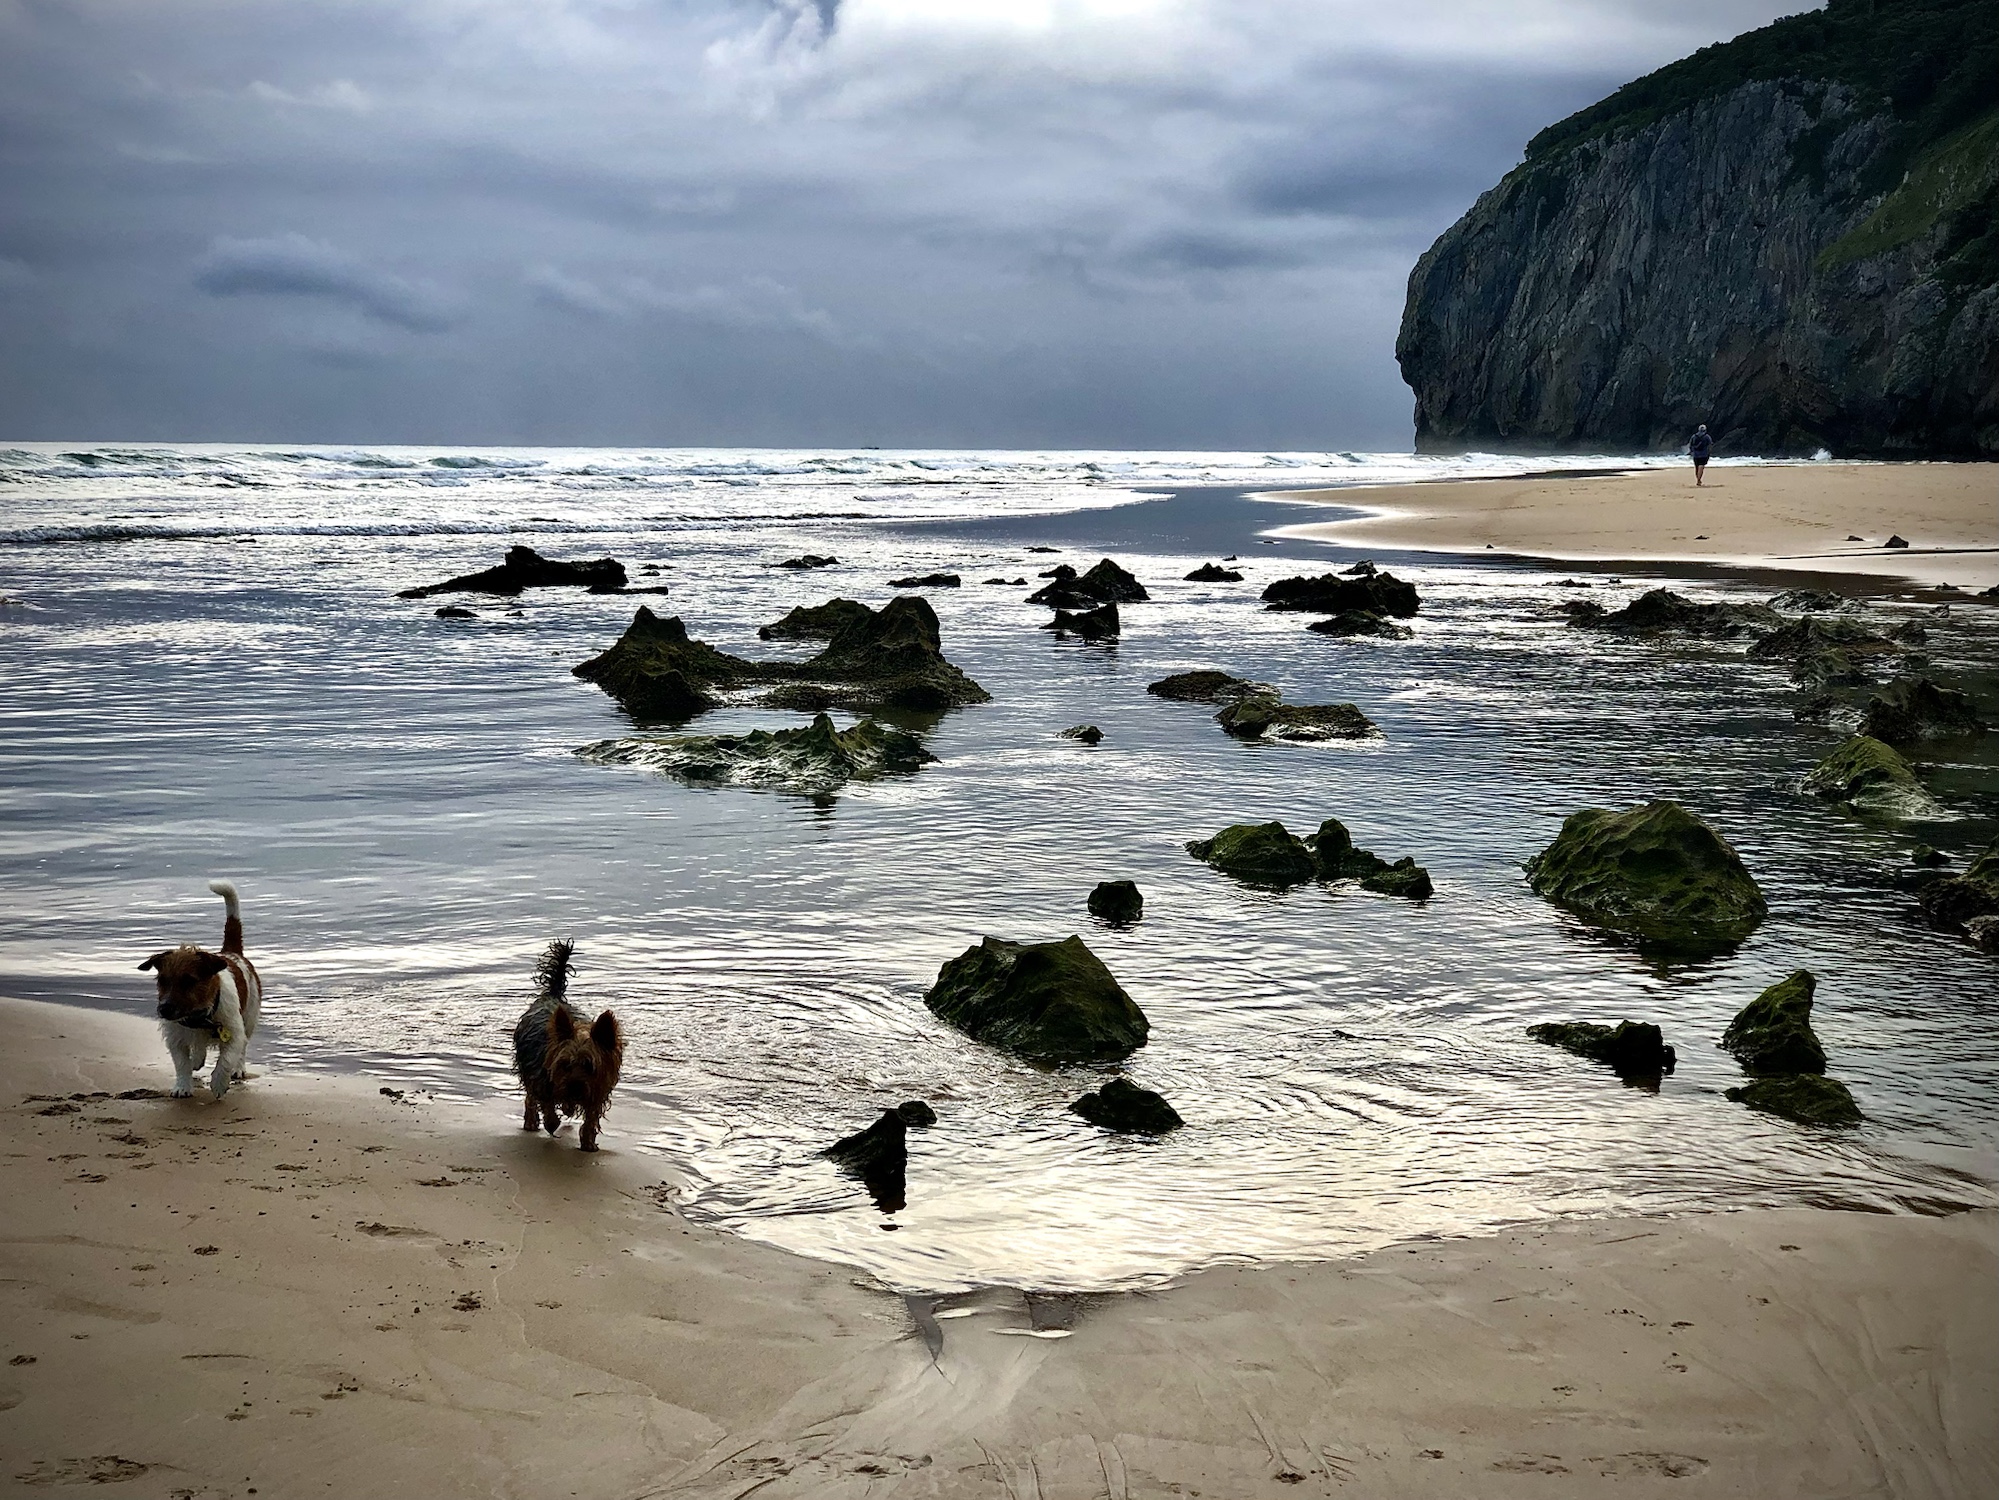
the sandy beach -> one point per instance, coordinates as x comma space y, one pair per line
318, 1288
1786, 517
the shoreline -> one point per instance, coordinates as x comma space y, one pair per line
315, 1286
1788, 518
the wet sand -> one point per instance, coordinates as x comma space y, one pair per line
314, 1288
1794, 517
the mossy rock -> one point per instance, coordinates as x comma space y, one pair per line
1124, 1107
1873, 778
1910, 710
1260, 716
1265, 854
1046, 1002
815, 622
1634, 1049
1206, 686
1118, 902
1773, 1033
1403, 878
1808, 1098
1958, 899
1656, 874
816, 758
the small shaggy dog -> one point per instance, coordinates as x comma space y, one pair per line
563, 1067
209, 996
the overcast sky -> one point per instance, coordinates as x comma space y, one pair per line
1008, 223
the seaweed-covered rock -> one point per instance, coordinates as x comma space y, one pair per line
1046, 1002
1365, 568
1117, 902
808, 561
1773, 1033
879, 1156
1816, 633
1956, 900
1811, 601
526, 568
817, 758
1205, 687
1099, 624
926, 581
1910, 710
1087, 734
1122, 1106
1265, 854
1832, 669
815, 622
455, 612
1634, 1049
1106, 583
1662, 610
1361, 622
657, 671
1654, 873
892, 659
1336, 858
1331, 594
1984, 933
1214, 573
1268, 716
1807, 1098
1404, 878
1873, 778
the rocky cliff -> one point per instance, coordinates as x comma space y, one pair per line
1792, 237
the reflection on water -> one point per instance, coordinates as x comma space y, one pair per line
398, 799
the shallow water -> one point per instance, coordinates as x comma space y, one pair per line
210, 675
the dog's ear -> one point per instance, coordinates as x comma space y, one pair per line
154, 961
210, 963
561, 1025
604, 1032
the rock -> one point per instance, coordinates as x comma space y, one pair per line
1816, 633
890, 659
1006, 582
1361, 569
1910, 633
1089, 734
1262, 854
1061, 572
526, 568
1044, 549
916, 1112
1811, 601
1895, 541
1099, 624
1106, 583
818, 758
1984, 933
1655, 873
1923, 857
1336, 858
656, 671
1991, 593
1205, 687
1831, 669
815, 622
1361, 622
1633, 1049
1773, 1033
927, 581
1403, 878
1661, 610
1807, 1098
455, 612
1910, 710
1046, 1002
1117, 902
1956, 900
1265, 715
1214, 573
1873, 778
810, 560
879, 1156
1330, 594
1122, 1106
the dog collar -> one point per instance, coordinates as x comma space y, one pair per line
207, 1022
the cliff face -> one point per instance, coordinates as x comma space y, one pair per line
1799, 262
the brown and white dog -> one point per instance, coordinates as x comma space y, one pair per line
209, 997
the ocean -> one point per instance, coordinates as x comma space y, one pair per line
209, 674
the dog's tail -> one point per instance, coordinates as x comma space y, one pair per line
552, 973
232, 923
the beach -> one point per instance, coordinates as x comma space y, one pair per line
316, 1287
1807, 517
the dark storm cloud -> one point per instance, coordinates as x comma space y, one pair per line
1155, 223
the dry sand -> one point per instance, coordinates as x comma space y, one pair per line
313, 1289
1792, 517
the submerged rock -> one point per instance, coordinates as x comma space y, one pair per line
1331, 594
1956, 900
1214, 573
1205, 687
1106, 583
817, 758
1773, 1033
1117, 902
1811, 601
1122, 1106
1814, 634
1361, 622
927, 581
455, 612
1984, 933
808, 561
1337, 858
1404, 878
526, 568
1046, 1002
1099, 624
1088, 734
1662, 610
815, 622
1871, 777
1832, 669
879, 1156
1910, 710
1265, 854
1266, 715
1655, 873
1362, 569
1808, 1098
1634, 1049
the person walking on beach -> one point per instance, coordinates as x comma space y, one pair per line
1699, 447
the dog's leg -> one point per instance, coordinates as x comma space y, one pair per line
185, 1062
228, 1065
532, 1120
590, 1127
229, 1039
549, 1122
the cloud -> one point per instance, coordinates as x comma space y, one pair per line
291, 265
341, 93
755, 302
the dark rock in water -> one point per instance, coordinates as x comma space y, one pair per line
1044, 549
1634, 1049
1957, 899
455, 612
526, 568
1006, 582
1361, 622
1984, 933
1266, 715
879, 1156
1816, 709
1582, 612
1923, 857
1991, 593
1122, 1106
916, 1112
1895, 541
1117, 902
1910, 710
1336, 857
1807, 1098
1403, 878
1330, 594
1361, 569
656, 671
1061, 572
1910, 633
1811, 601
1662, 610
1773, 1033
1046, 1002
1099, 624
1873, 778
1205, 687
1264, 854
1106, 583
815, 622
890, 659
1832, 669
810, 560
1089, 734
927, 581
1816, 633
1654, 873
1214, 573
818, 758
